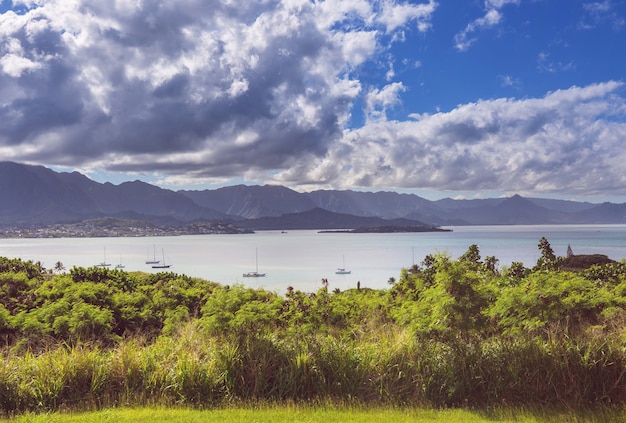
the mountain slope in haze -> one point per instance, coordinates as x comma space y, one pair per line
454, 204
319, 218
149, 200
253, 201
38, 195
515, 210
140, 199
35, 195
385, 204
274, 201
566, 206
602, 213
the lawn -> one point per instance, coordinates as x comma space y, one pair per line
295, 414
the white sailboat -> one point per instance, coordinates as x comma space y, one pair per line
104, 262
120, 265
161, 265
256, 273
154, 259
342, 270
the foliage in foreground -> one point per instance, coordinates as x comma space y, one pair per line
447, 333
196, 369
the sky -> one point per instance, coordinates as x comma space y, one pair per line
446, 98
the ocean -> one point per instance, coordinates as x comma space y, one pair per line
303, 258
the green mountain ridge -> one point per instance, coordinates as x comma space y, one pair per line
38, 196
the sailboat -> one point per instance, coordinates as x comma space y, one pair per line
159, 265
154, 259
342, 270
120, 265
104, 262
256, 273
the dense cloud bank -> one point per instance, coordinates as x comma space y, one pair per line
268, 90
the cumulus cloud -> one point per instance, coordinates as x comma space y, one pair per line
565, 142
212, 89
492, 17
377, 102
268, 90
395, 15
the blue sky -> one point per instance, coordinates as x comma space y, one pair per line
467, 99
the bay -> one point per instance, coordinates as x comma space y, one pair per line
301, 259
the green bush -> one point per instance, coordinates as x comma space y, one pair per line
240, 311
447, 333
566, 299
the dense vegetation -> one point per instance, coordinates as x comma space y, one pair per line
448, 332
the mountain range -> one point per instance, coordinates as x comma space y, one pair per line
38, 196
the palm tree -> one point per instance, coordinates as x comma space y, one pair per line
58, 267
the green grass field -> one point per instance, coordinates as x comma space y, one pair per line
295, 414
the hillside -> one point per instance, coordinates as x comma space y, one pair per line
252, 202
318, 218
36, 196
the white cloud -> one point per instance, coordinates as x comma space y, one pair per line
602, 13
377, 102
498, 4
509, 81
14, 65
396, 15
492, 17
14, 60
567, 141
266, 89
350, 13
188, 87
357, 47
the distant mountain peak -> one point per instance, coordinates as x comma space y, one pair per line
517, 199
35, 195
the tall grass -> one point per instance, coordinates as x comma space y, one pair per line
195, 369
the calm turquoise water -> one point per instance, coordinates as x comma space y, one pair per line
302, 258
